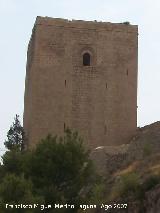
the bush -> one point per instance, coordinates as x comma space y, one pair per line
126, 22
128, 185
151, 182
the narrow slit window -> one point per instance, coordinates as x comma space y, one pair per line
86, 59
127, 72
105, 129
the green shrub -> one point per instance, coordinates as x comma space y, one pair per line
126, 22
98, 193
151, 182
128, 185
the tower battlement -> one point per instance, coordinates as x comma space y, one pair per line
125, 26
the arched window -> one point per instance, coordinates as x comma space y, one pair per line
86, 59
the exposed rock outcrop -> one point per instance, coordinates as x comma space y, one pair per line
108, 159
140, 158
152, 202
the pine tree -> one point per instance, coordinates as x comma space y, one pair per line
15, 136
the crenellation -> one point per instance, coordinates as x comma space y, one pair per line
88, 25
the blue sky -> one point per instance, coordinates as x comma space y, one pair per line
16, 21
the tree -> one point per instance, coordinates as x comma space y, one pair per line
13, 162
61, 170
15, 136
58, 169
15, 190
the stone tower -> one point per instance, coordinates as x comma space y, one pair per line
81, 75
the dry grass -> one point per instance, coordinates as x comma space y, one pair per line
131, 168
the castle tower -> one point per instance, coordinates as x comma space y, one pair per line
81, 75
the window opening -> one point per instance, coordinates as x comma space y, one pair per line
127, 72
105, 129
86, 59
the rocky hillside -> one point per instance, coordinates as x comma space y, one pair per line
132, 172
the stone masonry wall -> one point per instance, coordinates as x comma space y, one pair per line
100, 101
